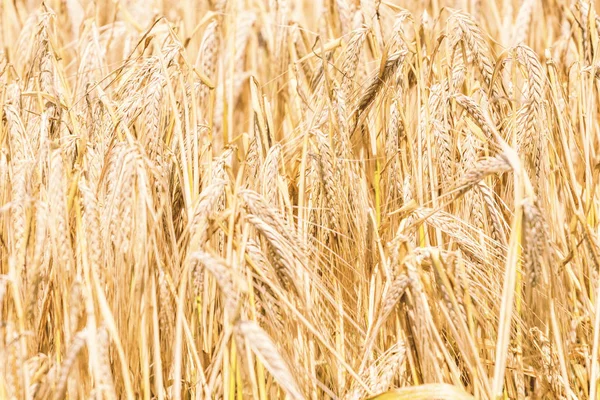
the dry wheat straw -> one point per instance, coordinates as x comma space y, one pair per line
266, 351
364, 196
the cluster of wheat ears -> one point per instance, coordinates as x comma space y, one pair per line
299, 199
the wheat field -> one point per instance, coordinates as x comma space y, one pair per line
341, 199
